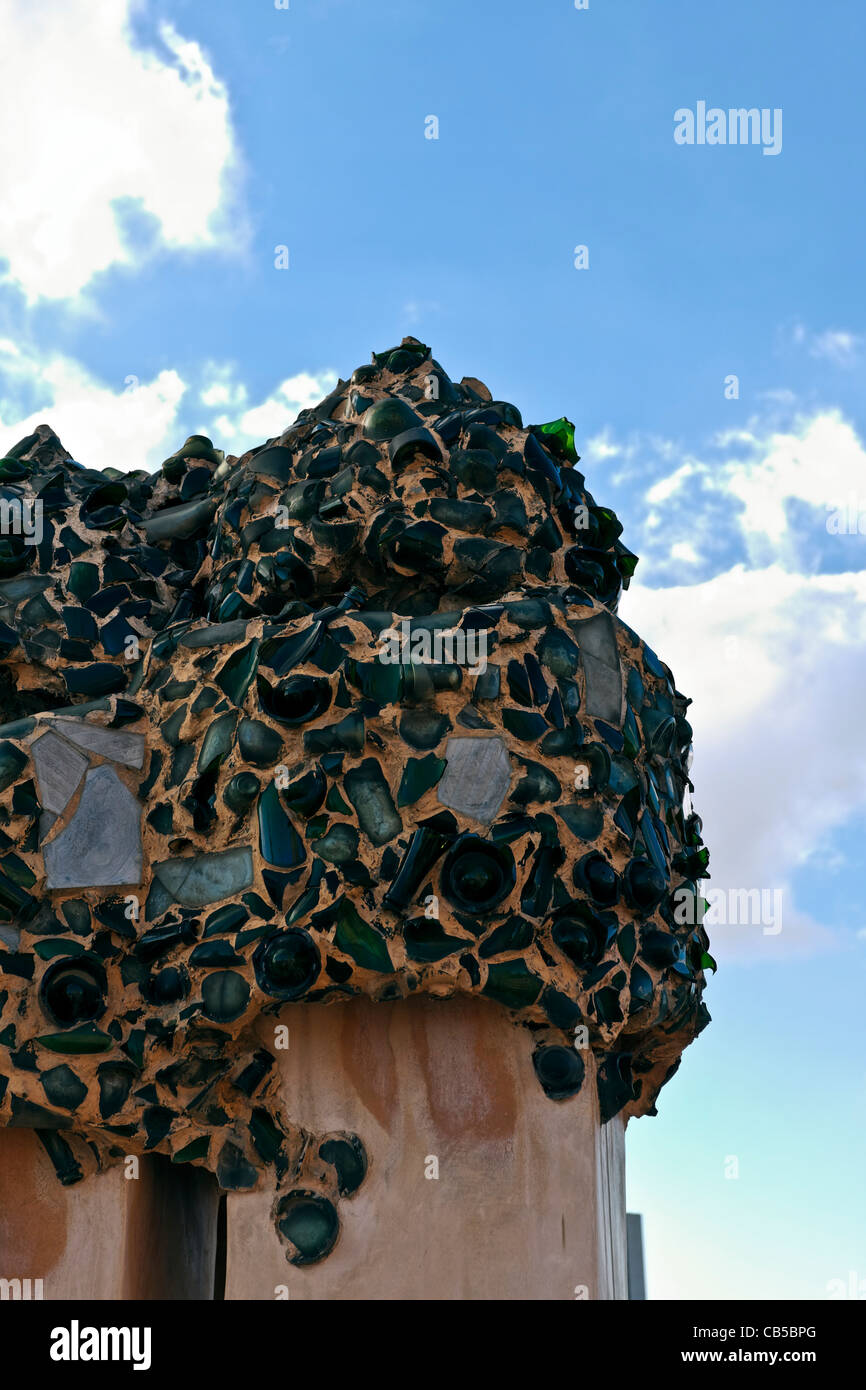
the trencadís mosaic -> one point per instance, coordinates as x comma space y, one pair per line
351, 714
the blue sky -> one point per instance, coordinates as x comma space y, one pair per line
174, 145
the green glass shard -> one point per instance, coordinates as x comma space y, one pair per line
234, 678
258, 743
12, 763
226, 919
83, 580
370, 795
419, 775
334, 802
512, 983
562, 430
356, 938
24, 876
217, 742
631, 737
377, 680
265, 1135
339, 845
427, 942
197, 1149
77, 1040
57, 946
280, 843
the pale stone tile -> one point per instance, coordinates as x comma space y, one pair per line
59, 769
116, 744
101, 845
477, 777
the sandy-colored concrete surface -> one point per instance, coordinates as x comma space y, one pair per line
113, 1237
526, 1202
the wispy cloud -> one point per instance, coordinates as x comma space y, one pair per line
415, 310
840, 346
836, 345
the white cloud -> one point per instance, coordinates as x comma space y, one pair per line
103, 122
218, 394
138, 423
666, 487
242, 424
684, 550
820, 461
744, 486
134, 426
769, 659
768, 652
600, 447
